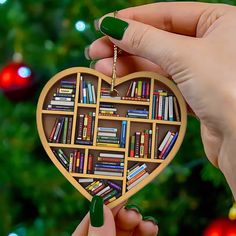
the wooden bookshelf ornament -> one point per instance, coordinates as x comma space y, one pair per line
105, 145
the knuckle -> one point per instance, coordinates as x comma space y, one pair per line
138, 38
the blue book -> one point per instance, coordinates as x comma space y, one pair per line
142, 167
123, 134
153, 106
170, 145
109, 166
138, 111
90, 93
84, 92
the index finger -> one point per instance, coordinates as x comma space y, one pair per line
176, 17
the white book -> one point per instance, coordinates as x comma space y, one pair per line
166, 108
107, 129
171, 113
107, 109
133, 89
62, 99
137, 181
96, 172
103, 191
165, 140
87, 180
62, 103
106, 134
160, 100
94, 95
115, 155
137, 114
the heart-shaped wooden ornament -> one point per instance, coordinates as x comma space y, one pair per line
110, 146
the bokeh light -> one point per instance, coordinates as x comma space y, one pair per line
80, 26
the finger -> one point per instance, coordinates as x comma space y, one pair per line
176, 17
100, 48
160, 47
126, 65
100, 221
127, 220
82, 228
146, 228
116, 209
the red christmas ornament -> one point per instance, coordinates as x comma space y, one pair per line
16, 80
221, 227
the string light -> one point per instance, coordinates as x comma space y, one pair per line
3, 1
80, 26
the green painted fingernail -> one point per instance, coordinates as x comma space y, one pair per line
133, 207
150, 218
86, 53
96, 212
113, 27
92, 64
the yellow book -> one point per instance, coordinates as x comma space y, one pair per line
140, 84
109, 145
141, 151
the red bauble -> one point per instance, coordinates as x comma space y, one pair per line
221, 227
16, 81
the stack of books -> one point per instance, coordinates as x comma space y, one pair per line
109, 164
62, 158
138, 91
87, 93
141, 144
108, 190
61, 131
106, 93
136, 174
76, 162
63, 99
85, 129
107, 137
138, 114
164, 106
167, 144
107, 109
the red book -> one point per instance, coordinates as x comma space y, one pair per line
74, 161
53, 130
90, 164
128, 93
80, 128
147, 90
77, 162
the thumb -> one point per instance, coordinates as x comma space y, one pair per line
101, 219
161, 47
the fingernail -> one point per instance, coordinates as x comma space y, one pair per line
92, 64
133, 207
113, 27
86, 53
150, 218
96, 24
96, 212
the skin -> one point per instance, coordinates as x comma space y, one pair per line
194, 44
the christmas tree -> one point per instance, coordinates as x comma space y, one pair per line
35, 198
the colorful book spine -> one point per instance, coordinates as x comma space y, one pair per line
132, 146
65, 130
90, 163
123, 134
156, 143
137, 144
176, 109
69, 130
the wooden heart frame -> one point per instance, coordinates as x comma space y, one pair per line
45, 122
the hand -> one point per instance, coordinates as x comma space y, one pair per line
194, 43
118, 222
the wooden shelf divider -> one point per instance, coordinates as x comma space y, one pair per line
75, 109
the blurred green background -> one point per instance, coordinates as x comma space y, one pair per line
35, 199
